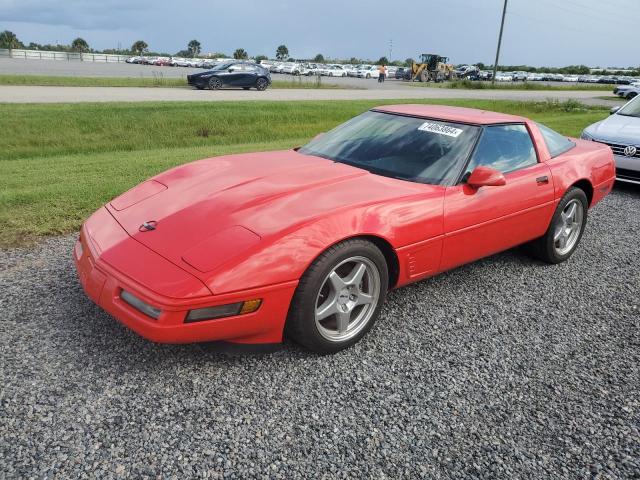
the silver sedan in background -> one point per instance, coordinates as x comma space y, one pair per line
621, 131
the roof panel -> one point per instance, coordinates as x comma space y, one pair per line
452, 114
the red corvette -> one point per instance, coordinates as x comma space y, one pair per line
308, 241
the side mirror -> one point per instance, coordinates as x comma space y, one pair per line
486, 177
613, 110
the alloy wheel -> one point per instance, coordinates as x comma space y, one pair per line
261, 84
568, 227
347, 299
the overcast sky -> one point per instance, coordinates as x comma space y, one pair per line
537, 32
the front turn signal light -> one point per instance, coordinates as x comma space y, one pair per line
222, 311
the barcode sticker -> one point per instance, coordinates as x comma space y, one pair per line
441, 129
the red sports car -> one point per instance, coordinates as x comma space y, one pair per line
307, 242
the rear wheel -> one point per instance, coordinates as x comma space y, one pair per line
339, 297
215, 83
565, 230
262, 84
631, 95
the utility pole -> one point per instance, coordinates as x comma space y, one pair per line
495, 64
390, 49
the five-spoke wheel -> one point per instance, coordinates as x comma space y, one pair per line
339, 296
568, 227
565, 230
347, 298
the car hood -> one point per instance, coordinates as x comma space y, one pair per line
220, 207
616, 129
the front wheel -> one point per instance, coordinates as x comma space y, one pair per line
565, 230
262, 84
215, 83
339, 297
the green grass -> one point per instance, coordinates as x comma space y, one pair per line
158, 80
58, 163
471, 85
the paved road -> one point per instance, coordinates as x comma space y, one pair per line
21, 94
505, 368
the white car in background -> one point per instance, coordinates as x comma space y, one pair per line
350, 69
368, 71
353, 70
570, 78
291, 68
334, 71
504, 77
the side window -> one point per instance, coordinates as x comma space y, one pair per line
505, 148
556, 144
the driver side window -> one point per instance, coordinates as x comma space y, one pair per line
505, 148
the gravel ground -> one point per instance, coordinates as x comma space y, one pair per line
505, 368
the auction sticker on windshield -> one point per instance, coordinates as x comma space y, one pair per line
439, 128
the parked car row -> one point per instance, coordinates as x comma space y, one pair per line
178, 61
557, 77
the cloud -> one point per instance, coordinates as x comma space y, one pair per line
80, 14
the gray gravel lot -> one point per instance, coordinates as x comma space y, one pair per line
505, 368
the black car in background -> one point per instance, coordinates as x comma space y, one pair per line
232, 74
403, 73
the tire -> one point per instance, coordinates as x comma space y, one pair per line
549, 248
215, 83
262, 84
339, 297
631, 95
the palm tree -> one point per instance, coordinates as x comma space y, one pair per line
240, 54
80, 45
9, 40
194, 47
139, 47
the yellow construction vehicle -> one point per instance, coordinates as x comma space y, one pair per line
432, 68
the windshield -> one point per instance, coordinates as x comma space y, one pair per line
407, 148
631, 109
222, 66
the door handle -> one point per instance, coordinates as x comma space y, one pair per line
542, 180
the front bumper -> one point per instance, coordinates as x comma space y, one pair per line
627, 169
104, 285
197, 81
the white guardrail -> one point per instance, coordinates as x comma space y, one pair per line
64, 56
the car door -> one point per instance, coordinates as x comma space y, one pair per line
234, 75
483, 221
249, 76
